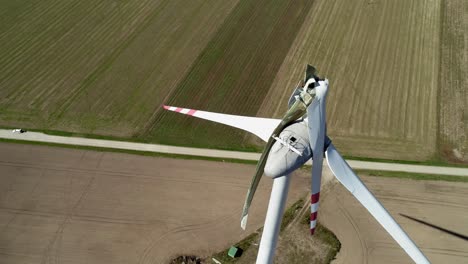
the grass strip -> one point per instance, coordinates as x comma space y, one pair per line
326, 236
375, 173
251, 148
438, 163
413, 176
127, 151
247, 242
329, 238
322, 234
244, 244
291, 213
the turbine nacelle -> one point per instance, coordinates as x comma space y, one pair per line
281, 160
292, 147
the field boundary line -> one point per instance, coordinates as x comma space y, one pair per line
214, 153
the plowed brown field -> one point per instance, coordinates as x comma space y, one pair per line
74, 206
382, 59
453, 94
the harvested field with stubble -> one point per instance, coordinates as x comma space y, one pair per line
97, 66
382, 59
453, 94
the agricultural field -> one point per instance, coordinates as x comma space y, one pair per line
99, 67
106, 68
234, 72
382, 59
453, 95
61, 205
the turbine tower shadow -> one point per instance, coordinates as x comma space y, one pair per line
461, 236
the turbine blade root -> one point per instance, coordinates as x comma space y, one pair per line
244, 221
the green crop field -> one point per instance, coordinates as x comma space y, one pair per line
234, 72
105, 68
100, 67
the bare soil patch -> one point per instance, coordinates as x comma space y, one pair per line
73, 206
363, 240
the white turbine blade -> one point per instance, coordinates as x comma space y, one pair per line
244, 221
351, 181
316, 124
261, 127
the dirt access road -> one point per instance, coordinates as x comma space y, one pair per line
78, 141
61, 205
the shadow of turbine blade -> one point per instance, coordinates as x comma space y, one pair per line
461, 236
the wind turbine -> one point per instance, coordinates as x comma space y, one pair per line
291, 142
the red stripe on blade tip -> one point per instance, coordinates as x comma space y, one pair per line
312, 231
313, 216
191, 112
315, 198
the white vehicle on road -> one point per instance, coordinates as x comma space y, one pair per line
18, 130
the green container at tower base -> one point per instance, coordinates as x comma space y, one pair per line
234, 252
